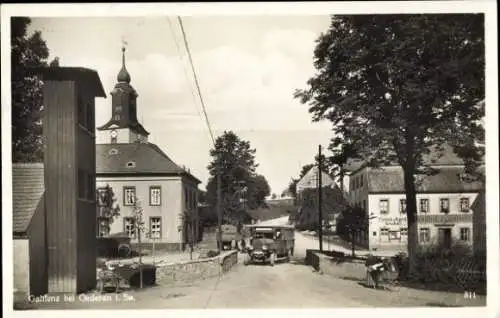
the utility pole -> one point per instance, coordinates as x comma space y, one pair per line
219, 214
320, 195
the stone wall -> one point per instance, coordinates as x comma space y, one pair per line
338, 266
196, 269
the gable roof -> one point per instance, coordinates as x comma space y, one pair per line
309, 179
448, 179
479, 203
27, 190
144, 158
445, 156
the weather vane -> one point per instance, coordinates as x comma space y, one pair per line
124, 43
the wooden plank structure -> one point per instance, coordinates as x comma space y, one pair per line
69, 164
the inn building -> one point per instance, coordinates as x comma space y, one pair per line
136, 168
444, 201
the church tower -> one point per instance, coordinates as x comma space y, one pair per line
123, 127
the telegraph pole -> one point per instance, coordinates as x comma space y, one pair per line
219, 213
320, 195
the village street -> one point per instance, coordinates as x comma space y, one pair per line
286, 285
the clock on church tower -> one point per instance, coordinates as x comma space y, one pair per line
113, 135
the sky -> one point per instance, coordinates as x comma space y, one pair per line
248, 69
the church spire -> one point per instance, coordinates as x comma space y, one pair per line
123, 75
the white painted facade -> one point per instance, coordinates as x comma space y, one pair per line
119, 136
176, 195
388, 224
390, 229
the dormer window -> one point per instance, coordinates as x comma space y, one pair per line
131, 164
113, 151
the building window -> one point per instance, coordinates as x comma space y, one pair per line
374, 233
402, 206
102, 199
384, 206
424, 205
394, 236
424, 235
444, 205
128, 196
361, 181
186, 198
129, 227
155, 227
404, 231
155, 196
464, 205
465, 234
384, 232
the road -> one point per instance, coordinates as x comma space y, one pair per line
286, 285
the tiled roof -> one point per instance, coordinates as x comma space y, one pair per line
448, 179
27, 190
445, 157
135, 158
309, 179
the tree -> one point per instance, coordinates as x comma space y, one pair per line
108, 208
27, 99
397, 86
234, 160
342, 151
292, 187
305, 169
333, 202
351, 221
258, 190
54, 62
138, 217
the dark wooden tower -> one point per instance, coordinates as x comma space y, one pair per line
69, 164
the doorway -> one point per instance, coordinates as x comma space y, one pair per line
445, 237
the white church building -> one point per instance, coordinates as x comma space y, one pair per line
136, 168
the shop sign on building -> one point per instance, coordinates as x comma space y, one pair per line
394, 221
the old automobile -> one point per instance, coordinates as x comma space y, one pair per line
229, 236
268, 244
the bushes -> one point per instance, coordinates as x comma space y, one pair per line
456, 267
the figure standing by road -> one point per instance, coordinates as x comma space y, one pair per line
374, 267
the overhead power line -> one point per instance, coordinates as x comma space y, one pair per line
196, 80
184, 69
